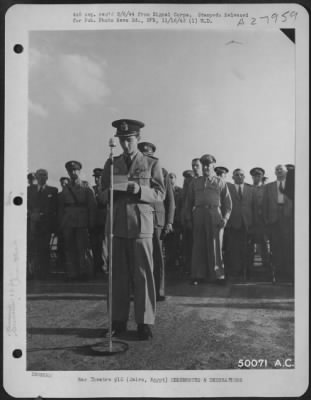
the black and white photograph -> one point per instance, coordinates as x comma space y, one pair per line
157, 158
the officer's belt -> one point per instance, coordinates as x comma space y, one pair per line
79, 205
205, 206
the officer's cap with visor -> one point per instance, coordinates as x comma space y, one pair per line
221, 170
188, 173
207, 159
73, 165
127, 127
147, 147
97, 171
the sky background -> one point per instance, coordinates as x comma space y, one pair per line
196, 93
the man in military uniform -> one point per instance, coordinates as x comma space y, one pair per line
186, 228
77, 208
208, 208
239, 224
64, 180
163, 224
42, 214
222, 172
173, 239
196, 167
99, 244
258, 239
141, 186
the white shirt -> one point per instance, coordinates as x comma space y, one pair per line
237, 187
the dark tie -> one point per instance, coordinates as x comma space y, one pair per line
240, 192
128, 161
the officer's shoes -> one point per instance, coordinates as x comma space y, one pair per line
144, 332
118, 327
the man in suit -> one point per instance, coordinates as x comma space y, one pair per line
163, 224
97, 234
42, 212
77, 207
138, 185
208, 207
258, 237
278, 216
239, 224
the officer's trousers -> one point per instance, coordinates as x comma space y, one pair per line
76, 243
158, 262
133, 264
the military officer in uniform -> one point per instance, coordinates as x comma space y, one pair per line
186, 228
208, 208
77, 208
42, 212
133, 229
173, 239
163, 224
98, 240
64, 180
222, 172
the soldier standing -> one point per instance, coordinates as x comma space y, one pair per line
173, 239
98, 240
208, 208
186, 228
163, 224
133, 229
222, 172
77, 208
42, 211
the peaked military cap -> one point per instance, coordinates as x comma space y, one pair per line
257, 171
31, 175
207, 159
64, 178
71, 165
97, 171
127, 127
290, 166
188, 173
221, 170
146, 147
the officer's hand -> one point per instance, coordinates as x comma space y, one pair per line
168, 228
222, 223
133, 187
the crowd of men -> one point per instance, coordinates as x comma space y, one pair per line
209, 228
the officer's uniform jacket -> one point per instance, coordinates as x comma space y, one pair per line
209, 194
42, 206
134, 213
242, 209
80, 213
164, 210
101, 209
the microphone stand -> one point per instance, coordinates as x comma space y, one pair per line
112, 145
113, 347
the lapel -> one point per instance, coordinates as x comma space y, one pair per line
275, 191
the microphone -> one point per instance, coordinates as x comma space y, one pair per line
112, 143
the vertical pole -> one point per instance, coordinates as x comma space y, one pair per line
110, 248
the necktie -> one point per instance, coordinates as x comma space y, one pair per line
128, 161
240, 192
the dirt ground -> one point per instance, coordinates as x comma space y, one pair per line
204, 327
